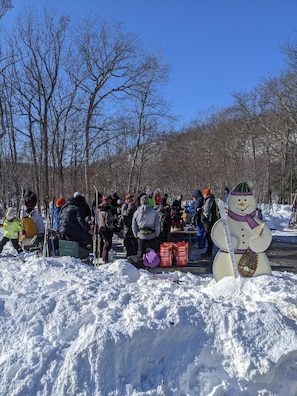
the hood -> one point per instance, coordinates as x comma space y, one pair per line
196, 193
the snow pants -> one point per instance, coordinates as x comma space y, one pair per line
14, 242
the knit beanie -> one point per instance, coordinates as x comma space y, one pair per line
60, 202
11, 213
206, 191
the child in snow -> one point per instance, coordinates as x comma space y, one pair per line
12, 227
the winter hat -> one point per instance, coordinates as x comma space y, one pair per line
77, 194
241, 188
196, 193
11, 213
144, 200
60, 202
206, 191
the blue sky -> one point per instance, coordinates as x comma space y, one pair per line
214, 47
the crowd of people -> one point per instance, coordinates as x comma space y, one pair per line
145, 221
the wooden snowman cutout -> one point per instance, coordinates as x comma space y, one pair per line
250, 237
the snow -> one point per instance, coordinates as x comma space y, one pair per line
71, 329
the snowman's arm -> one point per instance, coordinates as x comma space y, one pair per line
260, 243
219, 239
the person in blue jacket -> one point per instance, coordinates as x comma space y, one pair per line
56, 211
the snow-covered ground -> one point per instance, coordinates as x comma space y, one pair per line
71, 329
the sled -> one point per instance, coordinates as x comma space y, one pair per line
72, 248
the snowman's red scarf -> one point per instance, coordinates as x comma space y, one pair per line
249, 218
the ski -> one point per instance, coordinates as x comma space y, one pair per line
96, 236
45, 250
227, 233
51, 223
293, 218
177, 281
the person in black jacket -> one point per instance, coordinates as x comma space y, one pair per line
30, 198
98, 242
127, 210
82, 199
73, 225
208, 218
198, 198
105, 226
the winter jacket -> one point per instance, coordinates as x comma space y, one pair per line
151, 202
35, 216
197, 194
12, 228
209, 210
146, 223
56, 213
105, 217
127, 211
72, 219
177, 204
191, 208
86, 207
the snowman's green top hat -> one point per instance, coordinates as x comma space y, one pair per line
241, 188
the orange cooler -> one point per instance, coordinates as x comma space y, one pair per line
166, 254
181, 252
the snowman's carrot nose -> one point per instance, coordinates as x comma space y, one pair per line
241, 204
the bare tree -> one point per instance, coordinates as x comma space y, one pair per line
37, 46
5, 5
102, 68
149, 108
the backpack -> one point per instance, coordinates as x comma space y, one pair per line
151, 259
29, 226
214, 212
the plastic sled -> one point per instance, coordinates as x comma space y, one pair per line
72, 248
